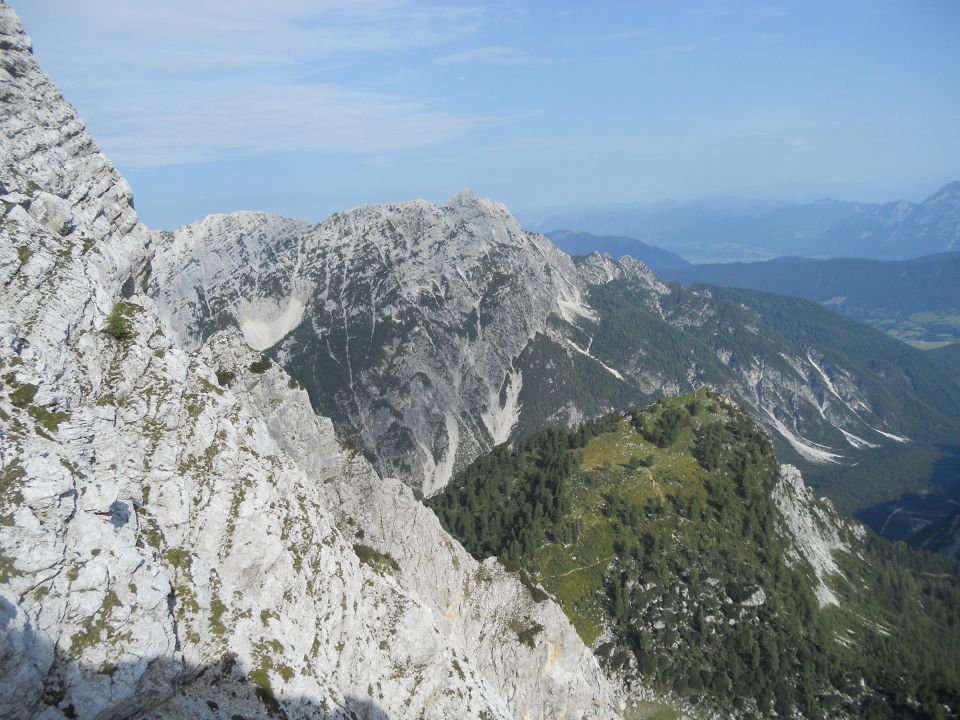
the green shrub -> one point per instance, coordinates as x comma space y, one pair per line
375, 559
527, 635
636, 462
667, 427
118, 324
261, 366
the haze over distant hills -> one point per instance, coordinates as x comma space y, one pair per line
728, 230
580, 243
416, 461
914, 300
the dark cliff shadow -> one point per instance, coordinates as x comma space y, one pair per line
37, 678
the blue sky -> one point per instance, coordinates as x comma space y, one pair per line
307, 107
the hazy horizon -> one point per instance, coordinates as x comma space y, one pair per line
304, 109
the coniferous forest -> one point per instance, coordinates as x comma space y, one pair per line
658, 533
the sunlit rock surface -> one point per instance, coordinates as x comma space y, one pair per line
178, 543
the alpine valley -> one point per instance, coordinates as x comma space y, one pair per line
416, 461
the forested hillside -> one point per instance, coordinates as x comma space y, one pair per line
914, 300
664, 535
949, 355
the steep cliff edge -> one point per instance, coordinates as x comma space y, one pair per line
166, 547
431, 333
404, 321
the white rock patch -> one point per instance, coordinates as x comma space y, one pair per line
895, 438
813, 453
856, 441
500, 421
586, 353
814, 529
261, 334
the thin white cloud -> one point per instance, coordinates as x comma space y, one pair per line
225, 60
299, 29
492, 56
770, 38
669, 53
635, 34
214, 122
187, 81
772, 11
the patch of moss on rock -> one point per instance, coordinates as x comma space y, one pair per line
23, 395
48, 420
7, 570
179, 558
261, 366
380, 562
96, 627
526, 633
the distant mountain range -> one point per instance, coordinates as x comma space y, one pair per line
915, 300
728, 230
431, 334
661, 261
212, 443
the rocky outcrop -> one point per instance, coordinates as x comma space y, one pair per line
429, 334
404, 321
597, 269
480, 604
171, 543
814, 530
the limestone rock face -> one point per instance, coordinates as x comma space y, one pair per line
429, 334
178, 543
815, 530
478, 605
597, 269
405, 321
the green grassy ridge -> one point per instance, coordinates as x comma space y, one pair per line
917, 394
652, 528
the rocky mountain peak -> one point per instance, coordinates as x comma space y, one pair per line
950, 189
464, 196
433, 302
431, 333
597, 269
180, 535
467, 202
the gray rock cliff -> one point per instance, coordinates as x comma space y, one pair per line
429, 334
174, 543
405, 320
